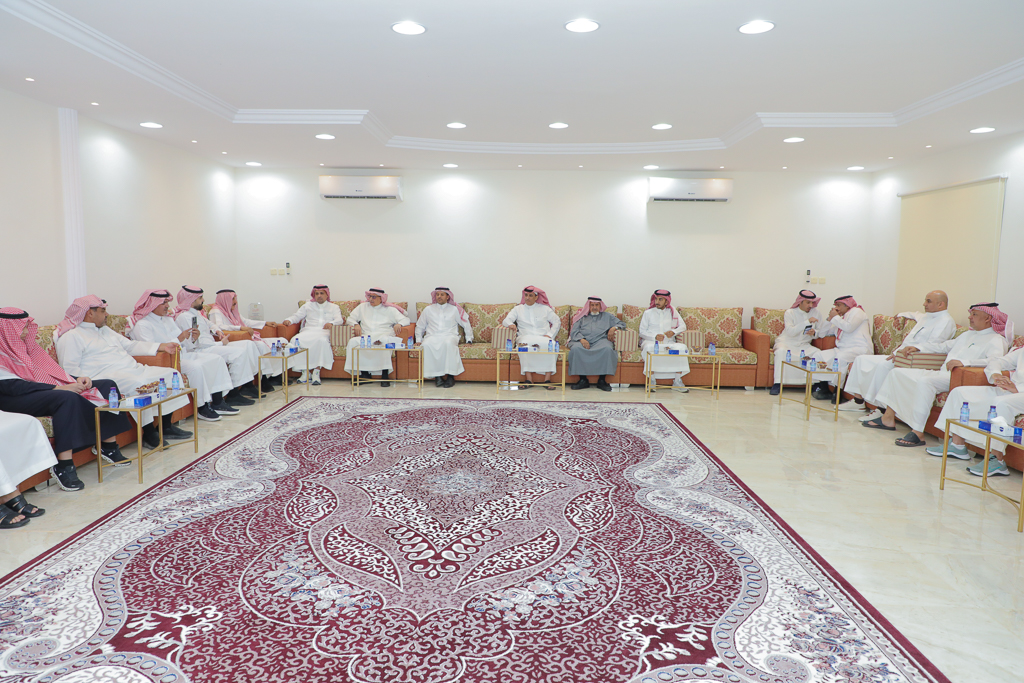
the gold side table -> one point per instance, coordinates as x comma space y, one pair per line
810, 372
137, 414
284, 368
357, 380
562, 354
716, 372
989, 437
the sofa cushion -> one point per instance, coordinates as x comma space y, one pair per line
888, 332
722, 327
44, 337
771, 321
485, 317
47, 423
118, 323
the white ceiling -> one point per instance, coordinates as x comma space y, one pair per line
861, 80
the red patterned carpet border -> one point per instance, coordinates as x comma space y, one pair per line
426, 541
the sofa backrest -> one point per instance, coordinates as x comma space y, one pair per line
722, 327
348, 306
44, 337
771, 321
889, 332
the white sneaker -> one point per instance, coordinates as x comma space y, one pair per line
873, 415
653, 384
303, 378
316, 377
852, 406
677, 385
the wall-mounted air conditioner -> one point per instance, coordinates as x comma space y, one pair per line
360, 187
690, 189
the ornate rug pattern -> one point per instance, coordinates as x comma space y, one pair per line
381, 540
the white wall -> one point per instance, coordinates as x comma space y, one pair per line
998, 156
33, 276
575, 234
155, 217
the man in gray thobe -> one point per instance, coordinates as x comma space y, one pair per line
591, 349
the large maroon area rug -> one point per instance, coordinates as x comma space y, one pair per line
378, 540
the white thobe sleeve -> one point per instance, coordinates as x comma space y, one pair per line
916, 316
944, 331
937, 347
134, 347
422, 324
399, 318
512, 317
356, 316
296, 317
647, 330
336, 317
554, 321
255, 324
69, 353
857, 318
466, 327
1007, 362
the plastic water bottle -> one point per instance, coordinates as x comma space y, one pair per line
411, 341
161, 391
362, 341
835, 365
711, 349
801, 354
298, 343
508, 344
551, 345
992, 413
556, 346
965, 413
175, 383
789, 356
112, 401
657, 347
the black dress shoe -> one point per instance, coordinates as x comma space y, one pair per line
450, 382
176, 432
822, 394
239, 400
604, 386
364, 375
583, 383
276, 380
384, 377
439, 381
249, 391
152, 439
774, 391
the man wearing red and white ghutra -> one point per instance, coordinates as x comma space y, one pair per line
438, 331
225, 317
26, 452
849, 323
536, 324
382, 322
660, 324
318, 316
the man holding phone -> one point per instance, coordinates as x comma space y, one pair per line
803, 323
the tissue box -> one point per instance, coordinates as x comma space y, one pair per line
389, 345
673, 352
142, 401
1005, 431
523, 349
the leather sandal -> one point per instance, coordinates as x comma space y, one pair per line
20, 506
7, 514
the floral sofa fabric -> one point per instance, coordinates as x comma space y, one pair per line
346, 309
717, 325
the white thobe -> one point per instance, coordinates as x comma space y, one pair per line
101, 353
378, 322
1008, 405
220, 323
207, 373
26, 450
868, 373
911, 393
661, 321
536, 324
794, 339
853, 338
438, 329
313, 336
240, 356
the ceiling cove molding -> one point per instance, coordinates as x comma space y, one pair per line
1000, 77
459, 146
345, 117
826, 120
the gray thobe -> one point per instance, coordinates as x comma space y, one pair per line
601, 358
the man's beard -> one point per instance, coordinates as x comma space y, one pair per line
197, 307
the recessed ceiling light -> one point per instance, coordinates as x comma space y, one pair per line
582, 26
321, 164
581, 166
756, 26
456, 124
784, 168
927, 146
721, 167
983, 129
195, 141
150, 124
324, 136
223, 152
95, 104
520, 165
854, 168
890, 157
253, 163
382, 164
650, 167
558, 125
793, 140
408, 28
661, 126
451, 165
30, 79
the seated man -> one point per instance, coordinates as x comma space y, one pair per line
591, 349
207, 373
802, 321
240, 356
1006, 395
438, 331
909, 394
869, 371
382, 322
660, 324
26, 452
33, 384
224, 317
536, 323
317, 316
848, 321
87, 348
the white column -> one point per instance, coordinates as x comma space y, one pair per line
74, 216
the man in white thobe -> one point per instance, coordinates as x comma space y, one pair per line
207, 374
382, 323
1006, 395
850, 324
868, 372
536, 323
438, 332
86, 347
225, 317
318, 316
909, 394
240, 356
802, 323
26, 452
659, 325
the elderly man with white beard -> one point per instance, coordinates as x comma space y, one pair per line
438, 331
318, 316
591, 347
382, 322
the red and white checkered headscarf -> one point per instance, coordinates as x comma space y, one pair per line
26, 359
807, 295
676, 322
849, 301
187, 296
383, 298
323, 287
1000, 321
226, 304
148, 303
542, 296
76, 312
585, 309
451, 299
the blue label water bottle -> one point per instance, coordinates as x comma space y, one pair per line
551, 345
556, 346
411, 341
161, 391
835, 365
508, 344
789, 356
992, 413
801, 354
112, 401
175, 383
711, 349
657, 349
965, 413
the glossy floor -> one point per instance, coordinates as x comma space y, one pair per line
944, 566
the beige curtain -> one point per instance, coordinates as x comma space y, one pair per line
949, 240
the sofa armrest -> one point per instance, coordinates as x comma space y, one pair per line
758, 343
287, 331
408, 331
825, 343
160, 360
967, 377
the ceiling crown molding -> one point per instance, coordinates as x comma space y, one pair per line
301, 116
460, 146
1000, 77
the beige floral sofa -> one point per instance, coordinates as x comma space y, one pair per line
771, 321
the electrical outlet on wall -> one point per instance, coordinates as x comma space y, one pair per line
821, 280
814, 280
273, 271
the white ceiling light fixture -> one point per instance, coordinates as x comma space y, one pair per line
582, 26
854, 168
661, 126
756, 26
408, 28
520, 165
324, 136
151, 124
558, 124
321, 164
721, 167
927, 146
456, 124
30, 80
382, 165
223, 152
253, 163
793, 140
95, 104
784, 168
581, 166
451, 165
983, 129
195, 141
890, 157
650, 167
